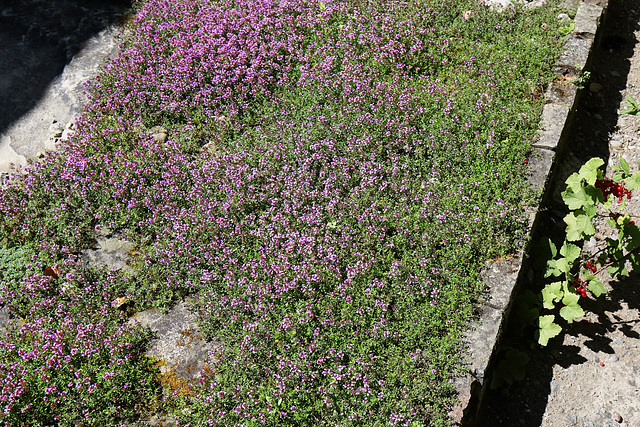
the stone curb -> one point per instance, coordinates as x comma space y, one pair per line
482, 344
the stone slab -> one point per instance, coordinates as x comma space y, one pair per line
587, 19
179, 345
539, 167
575, 52
552, 122
499, 278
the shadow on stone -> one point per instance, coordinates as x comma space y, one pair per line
37, 39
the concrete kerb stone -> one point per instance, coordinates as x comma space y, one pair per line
587, 19
552, 122
502, 278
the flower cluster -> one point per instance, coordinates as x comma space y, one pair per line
333, 177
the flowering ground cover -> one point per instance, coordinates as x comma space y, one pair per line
336, 174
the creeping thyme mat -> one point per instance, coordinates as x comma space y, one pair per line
329, 180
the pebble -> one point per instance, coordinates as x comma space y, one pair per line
159, 134
597, 116
554, 387
498, 5
160, 137
616, 141
563, 17
615, 73
617, 341
616, 417
613, 358
535, 3
66, 134
571, 419
595, 87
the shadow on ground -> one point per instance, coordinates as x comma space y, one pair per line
38, 38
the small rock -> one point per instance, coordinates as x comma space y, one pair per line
55, 130
617, 341
162, 421
554, 387
615, 73
616, 417
535, 4
159, 134
571, 419
613, 358
563, 17
616, 141
595, 87
210, 147
597, 116
498, 5
160, 137
66, 134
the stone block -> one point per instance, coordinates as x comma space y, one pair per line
587, 19
539, 167
499, 279
575, 52
178, 346
551, 124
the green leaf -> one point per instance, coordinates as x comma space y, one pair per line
525, 311
578, 226
633, 102
617, 269
543, 251
574, 182
633, 182
596, 287
570, 251
570, 298
552, 293
571, 309
589, 171
575, 198
510, 368
547, 329
624, 165
632, 111
570, 312
322, 6
552, 269
589, 211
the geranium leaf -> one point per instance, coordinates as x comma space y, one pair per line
551, 293
570, 312
570, 251
575, 199
578, 226
589, 171
547, 329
